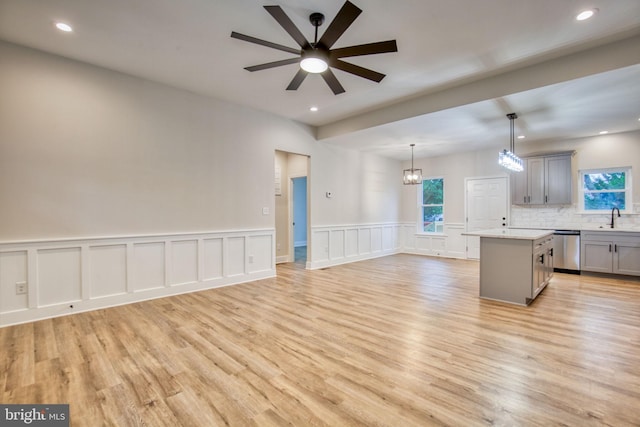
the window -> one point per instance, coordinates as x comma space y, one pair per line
604, 189
431, 200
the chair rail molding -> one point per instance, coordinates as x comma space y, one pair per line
49, 278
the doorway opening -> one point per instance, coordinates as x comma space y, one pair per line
293, 242
299, 208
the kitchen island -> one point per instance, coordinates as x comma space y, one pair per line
515, 265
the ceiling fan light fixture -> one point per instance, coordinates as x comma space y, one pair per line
314, 61
318, 56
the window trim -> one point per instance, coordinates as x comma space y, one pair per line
628, 190
419, 193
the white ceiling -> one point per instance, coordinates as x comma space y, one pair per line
441, 44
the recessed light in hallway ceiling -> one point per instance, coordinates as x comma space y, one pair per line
64, 27
586, 14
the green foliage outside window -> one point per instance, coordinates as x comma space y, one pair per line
432, 205
604, 190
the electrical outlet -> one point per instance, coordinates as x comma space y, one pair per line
21, 288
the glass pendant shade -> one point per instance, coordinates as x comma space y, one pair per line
510, 161
412, 176
508, 158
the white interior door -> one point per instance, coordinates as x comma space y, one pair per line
486, 208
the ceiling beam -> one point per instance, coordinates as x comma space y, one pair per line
594, 60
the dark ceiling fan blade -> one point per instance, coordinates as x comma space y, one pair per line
333, 82
288, 25
357, 70
297, 80
273, 64
264, 43
345, 17
365, 49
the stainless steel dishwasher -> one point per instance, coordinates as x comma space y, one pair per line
566, 251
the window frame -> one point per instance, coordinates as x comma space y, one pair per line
628, 191
421, 206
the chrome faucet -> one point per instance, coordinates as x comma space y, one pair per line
612, 210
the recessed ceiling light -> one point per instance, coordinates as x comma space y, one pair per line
586, 14
604, 132
521, 137
64, 27
314, 109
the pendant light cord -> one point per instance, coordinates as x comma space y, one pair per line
412, 168
512, 142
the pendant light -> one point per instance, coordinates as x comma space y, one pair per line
412, 176
508, 158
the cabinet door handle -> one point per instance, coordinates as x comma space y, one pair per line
546, 199
615, 248
542, 259
551, 252
609, 247
525, 199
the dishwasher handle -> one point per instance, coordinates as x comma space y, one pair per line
567, 232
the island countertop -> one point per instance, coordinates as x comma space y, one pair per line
510, 233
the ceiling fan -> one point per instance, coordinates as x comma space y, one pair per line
318, 57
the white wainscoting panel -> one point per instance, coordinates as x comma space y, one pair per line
337, 243
236, 256
364, 241
456, 242
351, 243
376, 240
72, 275
184, 262
389, 238
56, 266
108, 265
260, 253
320, 251
213, 258
13, 270
450, 243
149, 266
340, 244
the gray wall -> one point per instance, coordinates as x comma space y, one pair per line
85, 151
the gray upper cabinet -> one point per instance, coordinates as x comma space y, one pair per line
545, 180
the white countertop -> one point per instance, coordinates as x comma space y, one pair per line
511, 233
612, 230
593, 228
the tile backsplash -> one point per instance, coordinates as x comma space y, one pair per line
568, 217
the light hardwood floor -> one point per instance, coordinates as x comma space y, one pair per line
396, 341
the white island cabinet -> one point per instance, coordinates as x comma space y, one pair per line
515, 265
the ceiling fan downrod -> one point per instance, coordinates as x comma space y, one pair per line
316, 20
